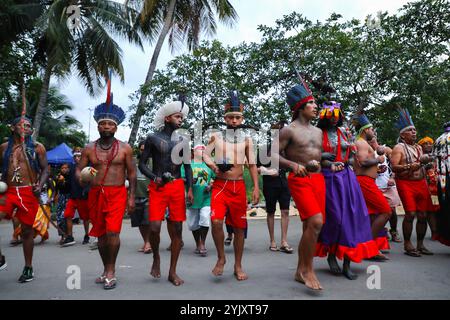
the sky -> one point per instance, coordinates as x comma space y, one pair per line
251, 14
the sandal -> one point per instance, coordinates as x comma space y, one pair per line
425, 251
204, 252
110, 283
395, 236
15, 242
228, 241
287, 249
379, 257
412, 253
100, 280
274, 249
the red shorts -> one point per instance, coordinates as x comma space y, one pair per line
414, 194
24, 200
308, 194
172, 196
107, 206
375, 201
80, 205
229, 198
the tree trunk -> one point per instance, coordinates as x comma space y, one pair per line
140, 107
40, 109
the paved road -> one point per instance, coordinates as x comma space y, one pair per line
270, 274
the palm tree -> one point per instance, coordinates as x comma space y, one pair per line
56, 126
17, 17
184, 21
88, 49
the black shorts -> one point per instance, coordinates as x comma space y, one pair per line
274, 194
140, 215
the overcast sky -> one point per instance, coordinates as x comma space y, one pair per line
251, 14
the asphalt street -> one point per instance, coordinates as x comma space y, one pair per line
271, 274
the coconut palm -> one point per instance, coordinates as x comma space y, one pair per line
17, 17
56, 126
88, 49
183, 21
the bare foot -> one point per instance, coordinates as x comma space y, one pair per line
176, 280
334, 267
240, 275
309, 280
155, 272
218, 269
148, 249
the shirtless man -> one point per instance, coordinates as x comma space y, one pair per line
107, 199
407, 161
301, 143
167, 188
21, 175
229, 196
366, 170
386, 183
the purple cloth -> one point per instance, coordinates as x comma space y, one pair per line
347, 221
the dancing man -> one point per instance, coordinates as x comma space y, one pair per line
386, 183
167, 188
301, 144
107, 199
229, 197
24, 170
366, 170
407, 161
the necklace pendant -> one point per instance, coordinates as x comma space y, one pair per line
17, 177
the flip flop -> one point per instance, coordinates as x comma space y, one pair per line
110, 283
204, 253
15, 242
379, 258
413, 253
425, 251
274, 249
100, 280
287, 249
228, 241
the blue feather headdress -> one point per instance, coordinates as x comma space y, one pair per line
234, 104
108, 110
404, 121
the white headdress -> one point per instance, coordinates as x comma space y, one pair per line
167, 110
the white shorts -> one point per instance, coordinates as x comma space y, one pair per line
392, 197
197, 218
